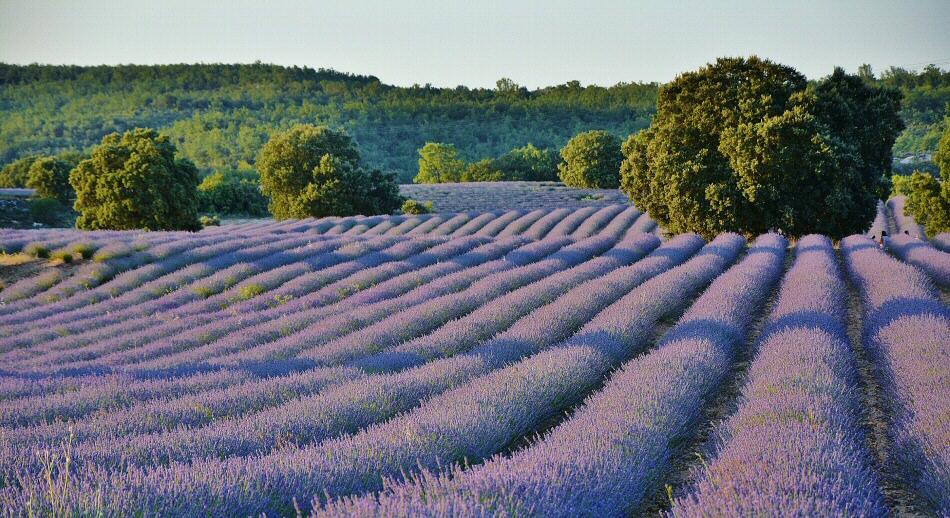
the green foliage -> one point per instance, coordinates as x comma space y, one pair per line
312, 171
62, 255
83, 250
528, 163
232, 192
942, 156
928, 201
900, 184
49, 176
748, 145
219, 116
411, 206
47, 211
591, 160
134, 181
38, 250
209, 221
250, 291
484, 170
439, 163
16, 173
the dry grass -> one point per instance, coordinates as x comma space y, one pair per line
14, 259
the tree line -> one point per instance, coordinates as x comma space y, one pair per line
743, 144
219, 116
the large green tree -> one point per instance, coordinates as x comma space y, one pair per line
439, 163
311, 171
748, 145
134, 180
49, 176
592, 160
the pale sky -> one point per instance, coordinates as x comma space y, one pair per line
475, 42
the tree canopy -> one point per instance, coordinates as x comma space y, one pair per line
439, 163
219, 116
134, 180
232, 192
49, 176
313, 171
591, 160
748, 145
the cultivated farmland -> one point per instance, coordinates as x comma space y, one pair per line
534, 358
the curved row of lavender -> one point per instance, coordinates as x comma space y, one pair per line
906, 331
796, 440
922, 255
610, 456
522, 394
880, 223
235, 370
905, 222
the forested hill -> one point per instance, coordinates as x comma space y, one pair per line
221, 115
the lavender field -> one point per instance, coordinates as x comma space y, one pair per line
542, 360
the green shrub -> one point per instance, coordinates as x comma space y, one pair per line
250, 291
209, 221
62, 255
232, 192
15, 174
312, 171
411, 206
591, 160
47, 211
49, 176
203, 291
38, 250
83, 250
134, 181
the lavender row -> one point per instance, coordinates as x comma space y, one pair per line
186, 284
281, 338
906, 331
430, 315
795, 442
353, 261
117, 395
498, 315
398, 284
942, 241
922, 255
136, 286
346, 408
879, 225
612, 453
905, 222
462, 422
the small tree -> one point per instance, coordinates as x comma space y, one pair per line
529, 163
591, 160
49, 176
15, 174
439, 163
483, 171
134, 181
312, 171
